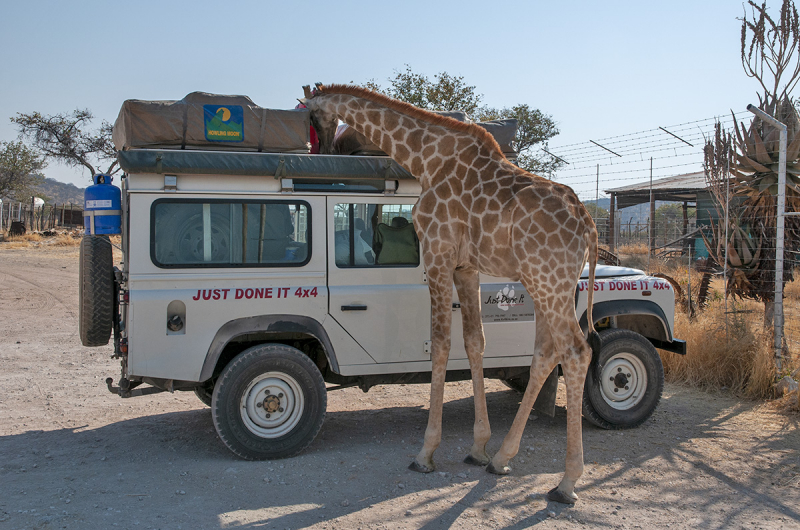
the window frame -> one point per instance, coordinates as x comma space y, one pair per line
272, 265
351, 240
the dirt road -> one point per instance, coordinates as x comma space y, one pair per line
72, 455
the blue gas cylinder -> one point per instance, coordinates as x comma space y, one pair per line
102, 212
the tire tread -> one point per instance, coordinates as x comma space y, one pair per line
589, 410
220, 406
96, 290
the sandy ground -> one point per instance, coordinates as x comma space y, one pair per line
72, 455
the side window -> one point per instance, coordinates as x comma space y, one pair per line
229, 233
375, 235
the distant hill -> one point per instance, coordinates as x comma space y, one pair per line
635, 214
55, 192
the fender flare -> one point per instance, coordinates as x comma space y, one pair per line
266, 324
613, 308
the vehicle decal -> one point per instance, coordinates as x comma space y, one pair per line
224, 123
250, 293
626, 285
506, 302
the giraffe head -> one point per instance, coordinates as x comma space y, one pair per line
324, 120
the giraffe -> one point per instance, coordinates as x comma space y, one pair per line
478, 213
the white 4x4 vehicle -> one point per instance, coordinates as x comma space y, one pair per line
260, 281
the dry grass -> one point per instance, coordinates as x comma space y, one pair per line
37, 240
792, 289
734, 353
735, 357
633, 249
25, 238
65, 240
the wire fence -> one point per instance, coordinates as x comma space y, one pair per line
661, 170
20, 217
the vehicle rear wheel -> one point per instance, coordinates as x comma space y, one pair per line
269, 402
631, 380
518, 384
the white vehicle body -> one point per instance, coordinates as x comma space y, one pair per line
191, 300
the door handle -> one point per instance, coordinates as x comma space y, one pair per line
354, 308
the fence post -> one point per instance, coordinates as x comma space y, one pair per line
779, 244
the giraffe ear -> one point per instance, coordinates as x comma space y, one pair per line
303, 101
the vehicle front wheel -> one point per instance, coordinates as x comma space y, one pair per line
631, 380
269, 402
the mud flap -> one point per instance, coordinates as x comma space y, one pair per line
546, 400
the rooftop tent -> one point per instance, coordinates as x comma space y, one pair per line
210, 121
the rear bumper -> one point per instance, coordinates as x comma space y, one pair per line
676, 346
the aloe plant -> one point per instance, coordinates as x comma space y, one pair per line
750, 157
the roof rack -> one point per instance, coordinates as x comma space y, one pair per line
277, 165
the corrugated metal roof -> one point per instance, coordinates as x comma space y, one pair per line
688, 181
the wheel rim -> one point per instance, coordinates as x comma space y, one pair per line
623, 381
272, 405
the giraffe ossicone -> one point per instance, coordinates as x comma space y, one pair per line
478, 213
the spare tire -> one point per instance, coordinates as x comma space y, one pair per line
96, 290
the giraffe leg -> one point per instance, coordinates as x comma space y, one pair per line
539, 372
575, 376
441, 315
468, 287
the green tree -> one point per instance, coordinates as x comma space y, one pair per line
19, 170
67, 138
447, 92
597, 212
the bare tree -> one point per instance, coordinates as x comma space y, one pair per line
67, 139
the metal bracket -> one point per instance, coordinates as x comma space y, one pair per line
385, 169
287, 186
390, 187
281, 170
170, 183
427, 347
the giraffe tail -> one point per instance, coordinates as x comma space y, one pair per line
594, 337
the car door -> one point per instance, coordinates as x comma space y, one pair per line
377, 284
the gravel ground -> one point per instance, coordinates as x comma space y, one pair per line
72, 455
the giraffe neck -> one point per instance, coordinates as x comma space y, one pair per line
400, 136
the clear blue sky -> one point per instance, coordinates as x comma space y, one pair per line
601, 69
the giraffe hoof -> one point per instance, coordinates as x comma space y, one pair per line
419, 468
471, 460
505, 470
557, 495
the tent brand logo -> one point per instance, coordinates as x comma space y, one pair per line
224, 123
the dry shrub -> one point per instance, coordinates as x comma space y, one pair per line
25, 238
65, 240
37, 240
738, 359
791, 290
633, 249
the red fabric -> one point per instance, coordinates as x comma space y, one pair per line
312, 134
